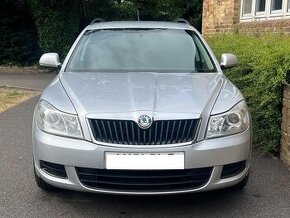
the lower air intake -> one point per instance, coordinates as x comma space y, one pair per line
144, 180
53, 169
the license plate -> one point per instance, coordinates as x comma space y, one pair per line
144, 161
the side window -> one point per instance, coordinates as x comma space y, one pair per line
202, 60
81, 59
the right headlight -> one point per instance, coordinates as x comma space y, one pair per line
234, 121
53, 121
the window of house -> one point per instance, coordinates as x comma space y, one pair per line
276, 5
264, 9
247, 7
261, 6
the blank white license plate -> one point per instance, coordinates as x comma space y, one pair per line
144, 161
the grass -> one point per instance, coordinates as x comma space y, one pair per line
9, 97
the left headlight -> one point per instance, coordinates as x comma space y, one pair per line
234, 121
53, 121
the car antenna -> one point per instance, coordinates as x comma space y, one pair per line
138, 14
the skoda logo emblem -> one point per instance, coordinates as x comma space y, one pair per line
144, 121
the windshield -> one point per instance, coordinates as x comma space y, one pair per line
140, 50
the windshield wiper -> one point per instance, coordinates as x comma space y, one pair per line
204, 71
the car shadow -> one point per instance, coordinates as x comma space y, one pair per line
208, 203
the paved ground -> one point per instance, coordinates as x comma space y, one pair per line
267, 195
26, 80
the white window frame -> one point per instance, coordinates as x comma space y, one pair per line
260, 14
268, 14
278, 12
287, 7
248, 15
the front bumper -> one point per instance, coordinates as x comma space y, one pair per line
74, 153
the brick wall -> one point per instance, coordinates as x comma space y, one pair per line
220, 16
285, 127
263, 27
223, 16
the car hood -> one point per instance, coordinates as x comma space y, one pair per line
182, 93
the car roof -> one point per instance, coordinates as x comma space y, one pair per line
140, 25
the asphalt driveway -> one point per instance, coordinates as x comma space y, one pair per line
267, 195
26, 80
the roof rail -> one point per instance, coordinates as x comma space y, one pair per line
181, 20
97, 20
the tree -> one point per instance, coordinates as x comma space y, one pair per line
57, 22
18, 38
169, 10
192, 11
53, 25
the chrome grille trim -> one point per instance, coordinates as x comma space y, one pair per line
127, 132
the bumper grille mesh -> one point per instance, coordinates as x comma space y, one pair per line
144, 180
128, 132
233, 169
53, 169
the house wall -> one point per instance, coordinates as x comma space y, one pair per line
223, 16
219, 16
264, 27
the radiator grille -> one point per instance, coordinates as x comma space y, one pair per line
128, 132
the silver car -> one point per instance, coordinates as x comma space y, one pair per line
141, 108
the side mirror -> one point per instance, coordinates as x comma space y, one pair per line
229, 61
49, 60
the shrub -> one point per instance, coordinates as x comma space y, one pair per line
57, 24
264, 65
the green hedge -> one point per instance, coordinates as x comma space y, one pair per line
57, 23
264, 67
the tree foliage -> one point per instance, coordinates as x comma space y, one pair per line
57, 23
18, 38
53, 25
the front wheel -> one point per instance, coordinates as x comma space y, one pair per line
242, 184
41, 183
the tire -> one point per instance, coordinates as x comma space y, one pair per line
242, 184
41, 183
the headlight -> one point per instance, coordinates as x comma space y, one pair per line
53, 121
234, 121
